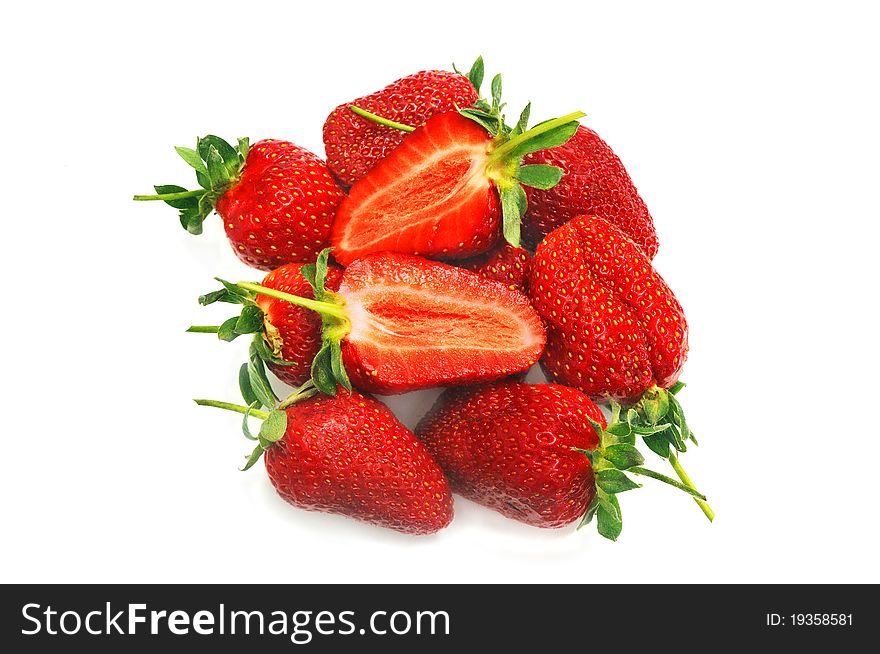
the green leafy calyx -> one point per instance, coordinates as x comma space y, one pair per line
614, 462
328, 370
218, 166
274, 421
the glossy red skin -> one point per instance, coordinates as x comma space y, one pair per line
299, 329
594, 182
614, 327
390, 293
452, 214
349, 455
281, 209
503, 263
508, 445
354, 145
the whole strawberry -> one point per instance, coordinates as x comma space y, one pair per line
511, 447
288, 337
504, 263
355, 144
540, 454
276, 199
349, 455
594, 182
399, 322
614, 327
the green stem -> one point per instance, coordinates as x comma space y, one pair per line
645, 472
204, 329
363, 113
707, 510
238, 408
171, 196
324, 308
307, 390
529, 134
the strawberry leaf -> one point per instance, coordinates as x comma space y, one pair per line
512, 212
496, 91
228, 154
590, 512
181, 203
218, 173
539, 176
259, 344
483, 118
592, 455
245, 425
619, 429
658, 443
227, 330
608, 518
475, 74
647, 431
244, 147
623, 456
253, 458
523, 123
250, 321
322, 371
244, 385
614, 481
274, 426
337, 367
192, 157
549, 139
678, 419
258, 380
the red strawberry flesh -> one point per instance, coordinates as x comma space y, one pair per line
430, 197
417, 323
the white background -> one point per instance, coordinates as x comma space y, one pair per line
753, 133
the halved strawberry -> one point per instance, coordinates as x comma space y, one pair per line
400, 322
442, 193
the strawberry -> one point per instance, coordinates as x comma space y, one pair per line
355, 144
450, 184
595, 182
503, 263
349, 455
287, 336
400, 322
614, 327
277, 200
540, 454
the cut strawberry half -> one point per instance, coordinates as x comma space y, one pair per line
401, 322
430, 196
446, 189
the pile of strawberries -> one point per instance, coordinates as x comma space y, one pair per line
440, 246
